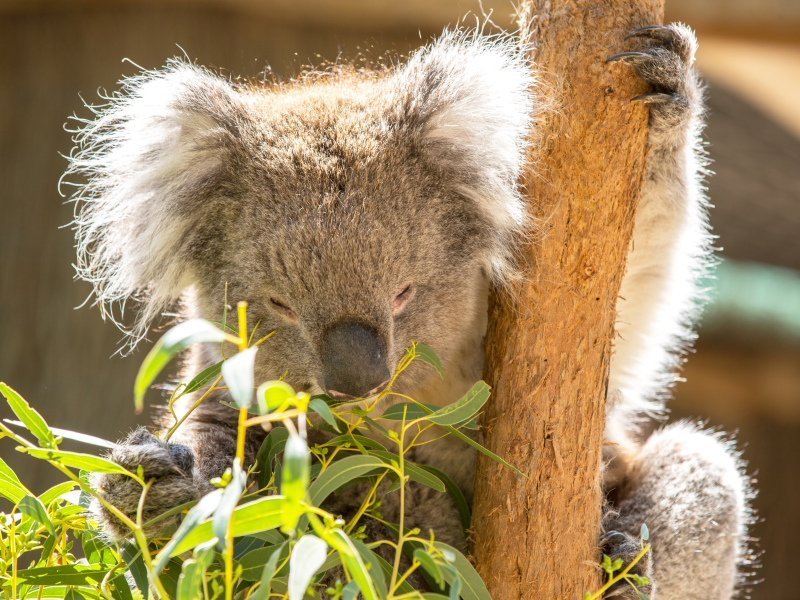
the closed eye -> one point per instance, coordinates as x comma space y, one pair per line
282, 309
402, 299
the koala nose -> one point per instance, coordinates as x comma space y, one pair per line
354, 360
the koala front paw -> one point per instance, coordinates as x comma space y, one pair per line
625, 547
170, 465
667, 63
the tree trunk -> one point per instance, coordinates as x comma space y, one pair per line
549, 343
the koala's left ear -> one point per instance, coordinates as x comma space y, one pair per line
153, 165
467, 99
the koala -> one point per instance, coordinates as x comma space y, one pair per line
358, 211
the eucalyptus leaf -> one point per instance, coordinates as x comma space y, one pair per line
10, 485
230, 498
463, 409
32, 420
323, 410
249, 518
77, 460
427, 355
174, 341
33, 508
196, 515
295, 476
272, 394
307, 556
72, 435
203, 378
340, 473
262, 593
239, 376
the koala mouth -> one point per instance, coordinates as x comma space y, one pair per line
368, 396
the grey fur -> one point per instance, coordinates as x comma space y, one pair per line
318, 201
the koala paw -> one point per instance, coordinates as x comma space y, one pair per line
170, 465
666, 62
623, 546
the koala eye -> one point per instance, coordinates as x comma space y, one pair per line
283, 310
401, 299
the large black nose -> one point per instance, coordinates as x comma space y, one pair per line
354, 360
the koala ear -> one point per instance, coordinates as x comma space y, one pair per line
149, 163
468, 98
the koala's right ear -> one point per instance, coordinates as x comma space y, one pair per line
150, 163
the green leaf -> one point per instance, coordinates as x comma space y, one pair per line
408, 411
57, 491
378, 569
248, 518
239, 376
196, 515
472, 587
414, 471
33, 508
120, 589
190, 580
63, 575
262, 593
295, 476
133, 558
203, 378
273, 445
175, 340
307, 556
340, 473
428, 563
33, 420
95, 549
485, 451
350, 591
319, 406
426, 354
272, 394
230, 498
464, 409
644, 533
77, 460
10, 485
351, 558
456, 494
72, 435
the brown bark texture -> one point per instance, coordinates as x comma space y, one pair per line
549, 342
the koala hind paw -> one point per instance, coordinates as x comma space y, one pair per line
625, 547
169, 465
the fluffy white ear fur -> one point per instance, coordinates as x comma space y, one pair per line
145, 161
472, 95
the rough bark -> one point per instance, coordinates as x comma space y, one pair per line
549, 343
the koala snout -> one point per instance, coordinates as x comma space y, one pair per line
354, 360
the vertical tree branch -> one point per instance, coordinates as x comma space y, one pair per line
549, 346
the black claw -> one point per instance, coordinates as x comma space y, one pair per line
653, 98
656, 31
627, 56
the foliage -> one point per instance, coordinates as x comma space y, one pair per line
263, 532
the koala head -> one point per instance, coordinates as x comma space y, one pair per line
355, 213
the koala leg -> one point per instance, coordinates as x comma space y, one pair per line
687, 486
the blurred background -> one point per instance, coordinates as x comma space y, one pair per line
745, 373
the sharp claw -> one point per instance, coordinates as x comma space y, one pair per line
627, 56
653, 98
650, 31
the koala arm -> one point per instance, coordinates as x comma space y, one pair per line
670, 247
686, 485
